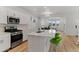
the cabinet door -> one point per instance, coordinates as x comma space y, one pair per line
17, 14
23, 19
3, 16
25, 31
10, 12
4, 43
47, 44
36, 43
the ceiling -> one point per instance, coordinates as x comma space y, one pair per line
55, 10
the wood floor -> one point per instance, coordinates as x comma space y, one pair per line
69, 44
21, 48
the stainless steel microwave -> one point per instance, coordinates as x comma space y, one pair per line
13, 20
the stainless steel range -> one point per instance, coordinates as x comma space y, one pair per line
16, 35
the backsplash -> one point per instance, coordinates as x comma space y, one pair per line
2, 28
3, 25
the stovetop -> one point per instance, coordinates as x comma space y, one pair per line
11, 31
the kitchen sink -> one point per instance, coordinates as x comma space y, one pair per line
39, 31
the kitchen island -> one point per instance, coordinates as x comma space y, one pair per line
39, 42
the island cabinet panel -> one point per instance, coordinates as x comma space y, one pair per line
38, 44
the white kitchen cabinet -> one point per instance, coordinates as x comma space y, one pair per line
24, 28
17, 14
33, 24
39, 42
9, 12
25, 32
4, 41
3, 15
12, 13
23, 19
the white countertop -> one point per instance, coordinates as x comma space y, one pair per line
4, 33
45, 33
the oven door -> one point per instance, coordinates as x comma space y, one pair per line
16, 40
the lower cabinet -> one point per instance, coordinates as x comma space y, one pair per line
21, 48
38, 43
4, 42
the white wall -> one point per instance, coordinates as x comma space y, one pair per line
71, 21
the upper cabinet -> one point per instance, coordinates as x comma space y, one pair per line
12, 13
3, 15
23, 19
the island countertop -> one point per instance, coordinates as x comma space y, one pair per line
44, 33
